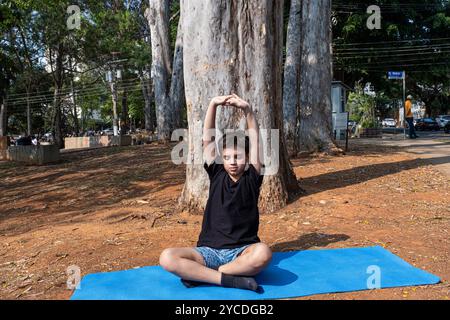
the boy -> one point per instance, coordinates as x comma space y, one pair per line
229, 252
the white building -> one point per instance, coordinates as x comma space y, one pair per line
338, 102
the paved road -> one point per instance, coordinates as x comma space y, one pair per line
433, 146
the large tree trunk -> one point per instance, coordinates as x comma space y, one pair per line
291, 85
234, 46
177, 98
158, 17
168, 84
3, 117
316, 77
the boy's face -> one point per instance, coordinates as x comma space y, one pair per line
234, 161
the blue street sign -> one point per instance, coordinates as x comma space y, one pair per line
395, 74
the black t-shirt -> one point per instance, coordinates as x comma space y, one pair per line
231, 217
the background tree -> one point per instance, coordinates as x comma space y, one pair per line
8, 67
315, 132
413, 37
291, 84
167, 76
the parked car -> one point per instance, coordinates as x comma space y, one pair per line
24, 141
426, 124
389, 122
447, 127
108, 132
442, 120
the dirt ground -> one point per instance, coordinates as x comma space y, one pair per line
113, 209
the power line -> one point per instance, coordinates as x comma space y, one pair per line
16, 109
393, 55
393, 41
404, 4
385, 70
404, 49
400, 65
383, 11
384, 47
93, 89
68, 91
49, 99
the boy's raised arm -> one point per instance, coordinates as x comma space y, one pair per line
253, 133
253, 129
209, 146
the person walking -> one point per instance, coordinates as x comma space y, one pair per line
409, 117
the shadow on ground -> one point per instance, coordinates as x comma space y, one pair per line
309, 240
356, 175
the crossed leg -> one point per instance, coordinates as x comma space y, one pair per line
188, 264
251, 261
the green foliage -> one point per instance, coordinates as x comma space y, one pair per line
110, 30
414, 37
362, 108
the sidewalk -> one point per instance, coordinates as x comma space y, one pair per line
432, 146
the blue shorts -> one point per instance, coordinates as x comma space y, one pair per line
214, 258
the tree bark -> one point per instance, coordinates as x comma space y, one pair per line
234, 46
59, 139
316, 76
291, 86
158, 17
168, 82
177, 98
58, 83
146, 87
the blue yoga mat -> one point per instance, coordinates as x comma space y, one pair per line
290, 274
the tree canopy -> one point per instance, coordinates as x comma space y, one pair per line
414, 37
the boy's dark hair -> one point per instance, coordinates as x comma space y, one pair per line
236, 138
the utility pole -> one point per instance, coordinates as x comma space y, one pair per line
74, 101
113, 74
401, 75
29, 83
28, 113
81, 114
112, 84
404, 100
